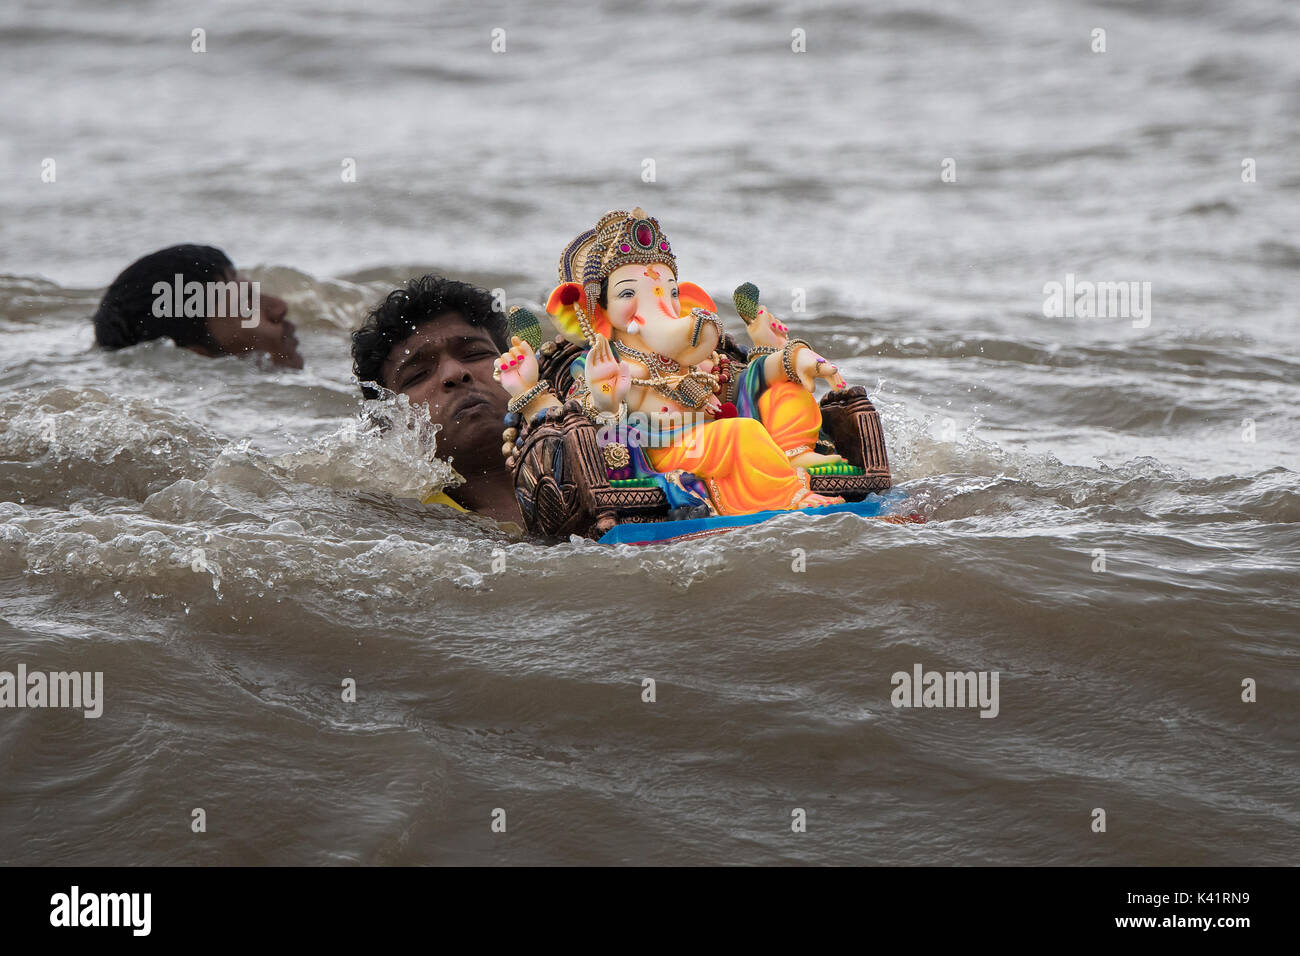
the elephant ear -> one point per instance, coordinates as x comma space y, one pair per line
562, 308
690, 296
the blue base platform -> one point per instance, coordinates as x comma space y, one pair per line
661, 532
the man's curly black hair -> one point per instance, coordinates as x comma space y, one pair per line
404, 310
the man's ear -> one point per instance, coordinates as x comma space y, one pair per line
690, 296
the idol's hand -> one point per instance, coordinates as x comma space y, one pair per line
810, 366
607, 377
517, 369
767, 329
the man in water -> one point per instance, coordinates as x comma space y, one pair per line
435, 341
192, 295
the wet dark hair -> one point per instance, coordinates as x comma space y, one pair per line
125, 314
404, 310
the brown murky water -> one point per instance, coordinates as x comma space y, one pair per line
228, 544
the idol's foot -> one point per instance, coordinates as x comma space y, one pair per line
813, 500
807, 459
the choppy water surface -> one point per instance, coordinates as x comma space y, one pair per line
228, 543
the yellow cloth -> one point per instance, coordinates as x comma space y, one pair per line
741, 464
440, 498
791, 415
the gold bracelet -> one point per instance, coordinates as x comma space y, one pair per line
520, 402
598, 417
787, 359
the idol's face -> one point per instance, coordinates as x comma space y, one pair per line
644, 301
641, 295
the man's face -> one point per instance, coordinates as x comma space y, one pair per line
446, 364
273, 333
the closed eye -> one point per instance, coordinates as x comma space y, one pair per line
626, 294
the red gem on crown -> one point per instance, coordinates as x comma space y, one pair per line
625, 248
644, 235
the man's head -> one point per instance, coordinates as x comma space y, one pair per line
435, 342
136, 308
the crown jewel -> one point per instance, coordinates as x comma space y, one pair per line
619, 238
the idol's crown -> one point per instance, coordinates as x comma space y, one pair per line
621, 238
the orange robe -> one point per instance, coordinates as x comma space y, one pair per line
791, 415
743, 467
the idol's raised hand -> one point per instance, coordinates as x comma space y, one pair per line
517, 369
607, 377
767, 329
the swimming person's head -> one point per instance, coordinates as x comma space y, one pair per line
435, 341
192, 295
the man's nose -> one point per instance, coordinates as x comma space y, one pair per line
454, 375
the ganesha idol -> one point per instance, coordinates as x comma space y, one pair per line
643, 399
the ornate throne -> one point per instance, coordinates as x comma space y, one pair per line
562, 479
